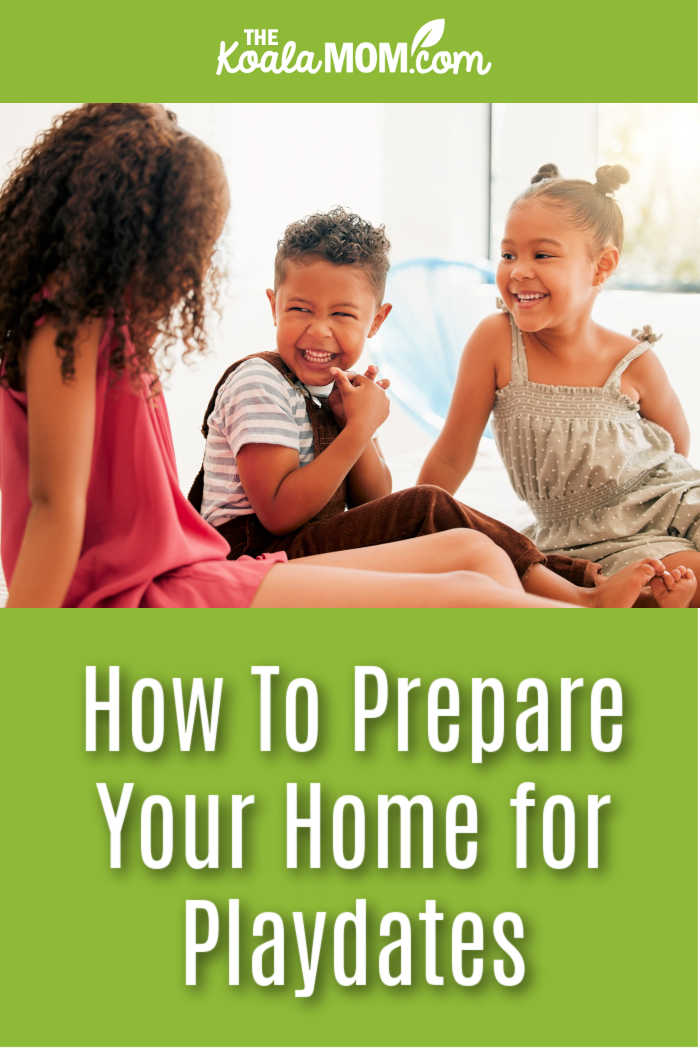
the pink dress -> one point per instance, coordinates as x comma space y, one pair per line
144, 544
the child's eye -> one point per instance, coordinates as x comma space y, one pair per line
341, 313
507, 256
301, 309
543, 255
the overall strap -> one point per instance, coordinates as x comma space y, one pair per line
613, 380
270, 356
518, 360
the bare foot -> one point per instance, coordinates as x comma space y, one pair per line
621, 590
675, 588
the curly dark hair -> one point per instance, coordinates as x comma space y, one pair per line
113, 212
340, 237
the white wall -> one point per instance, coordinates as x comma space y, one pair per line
525, 136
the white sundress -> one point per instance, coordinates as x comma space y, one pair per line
603, 482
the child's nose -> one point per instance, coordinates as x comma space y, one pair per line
522, 269
320, 326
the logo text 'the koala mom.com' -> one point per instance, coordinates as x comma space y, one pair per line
261, 51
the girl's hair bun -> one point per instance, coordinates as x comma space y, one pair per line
546, 171
610, 177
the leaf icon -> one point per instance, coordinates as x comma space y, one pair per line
428, 34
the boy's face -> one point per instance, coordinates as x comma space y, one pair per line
324, 312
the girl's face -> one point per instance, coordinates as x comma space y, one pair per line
549, 271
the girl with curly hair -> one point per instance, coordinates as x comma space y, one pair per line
107, 232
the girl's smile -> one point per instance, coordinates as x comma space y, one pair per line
527, 299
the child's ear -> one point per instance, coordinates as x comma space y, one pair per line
272, 299
607, 264
379, 319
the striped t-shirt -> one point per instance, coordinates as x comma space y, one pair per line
256, 405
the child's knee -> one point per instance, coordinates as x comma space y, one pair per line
433, 504
476, 545
431, 492
420, 497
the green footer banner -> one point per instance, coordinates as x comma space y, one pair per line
350, 828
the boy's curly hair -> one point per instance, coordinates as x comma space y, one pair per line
112, 213
340, 237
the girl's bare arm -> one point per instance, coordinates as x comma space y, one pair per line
452, 456
61, 426
658, 400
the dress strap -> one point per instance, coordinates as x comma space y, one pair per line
518, 360
613, 380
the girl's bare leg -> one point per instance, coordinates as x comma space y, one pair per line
300, 586
439, 552
418, 573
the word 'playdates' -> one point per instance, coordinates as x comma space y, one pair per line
402, 948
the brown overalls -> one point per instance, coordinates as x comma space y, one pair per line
402, 515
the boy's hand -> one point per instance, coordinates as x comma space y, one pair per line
336, 402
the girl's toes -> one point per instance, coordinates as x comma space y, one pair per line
658, 588
646, 569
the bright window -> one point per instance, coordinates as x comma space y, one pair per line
660, 145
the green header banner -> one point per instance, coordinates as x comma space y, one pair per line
454, 51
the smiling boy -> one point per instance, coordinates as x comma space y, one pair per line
290, 435
324, 312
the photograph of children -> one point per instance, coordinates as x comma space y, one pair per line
347, 290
